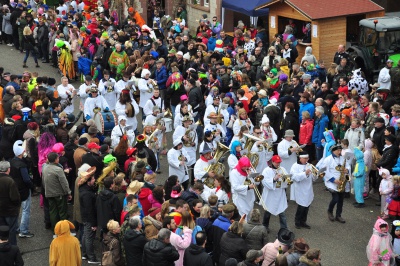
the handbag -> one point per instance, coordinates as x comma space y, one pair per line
108, 259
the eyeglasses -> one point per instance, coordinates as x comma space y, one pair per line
257, 132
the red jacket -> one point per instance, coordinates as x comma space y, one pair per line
306, 131
344, 89
143, 199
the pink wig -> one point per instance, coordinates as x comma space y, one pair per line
45, 146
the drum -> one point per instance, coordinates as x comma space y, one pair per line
168, 124
105, 122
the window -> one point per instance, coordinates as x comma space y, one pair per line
206, 3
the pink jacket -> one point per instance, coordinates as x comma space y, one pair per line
153, 202
181, 243
378, 243
270, 252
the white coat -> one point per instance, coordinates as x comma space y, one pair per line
211, 127
148, 107
111, 97
232, 162
120, 85
242, 197
92, 103
221, 194
273, 197
178, 134
151, 120
178, 109
64, 92
200, 168
283, 152
301, 190
130, 121
210, 108
239, 123
118, 131
84, 92
144, 89
175, 167
330, 163
264, 156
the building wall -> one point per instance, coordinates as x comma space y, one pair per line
195, 12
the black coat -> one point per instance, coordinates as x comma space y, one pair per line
173, 97
108, 207
6, 142
87, 201
379, 138
10, 201
196, 256
291, 121
15, 172
10, 255
7, 102
232, 246
29, 42
389, 158
134, 243
158, 253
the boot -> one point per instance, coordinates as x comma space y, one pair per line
24, 66
331, 217
37, 64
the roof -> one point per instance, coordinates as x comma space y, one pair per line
384, 23
327, 8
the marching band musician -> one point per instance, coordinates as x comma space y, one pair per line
332, 180
155, 142
177, 160
107, 89
184, 99
241, 137
268, 132
301, 190
84, 89
212, 108
287, 149
145, 86
274, 194
242, 194
235, 155
121, 108
124, 84
260, 148
202, 164
187, 133
120, 130
242, 120
216, 129
208, 141
155, 100
210, 97
153, 119
94, 102
66, 92
183, 111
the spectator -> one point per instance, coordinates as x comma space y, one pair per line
159, 251
195, 254
64, 249
111, 243
254, 233
232, 245
321, 122
134, 242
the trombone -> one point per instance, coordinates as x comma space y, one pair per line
250, 180
314, 171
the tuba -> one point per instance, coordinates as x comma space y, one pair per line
217, 167
343, 178
191, 134
254, 157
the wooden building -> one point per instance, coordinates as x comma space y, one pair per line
333, 22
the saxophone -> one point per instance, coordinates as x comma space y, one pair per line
343, 178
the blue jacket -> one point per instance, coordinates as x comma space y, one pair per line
319, 128
222, 222
212, 42
306, 107
161, 77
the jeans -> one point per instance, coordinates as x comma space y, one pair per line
87, 242
319, 152
337, 199
282, 219
27, 52
301, 215
173, 108
12, 223
58, 209
25, 215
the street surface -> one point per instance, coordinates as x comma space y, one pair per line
340, 244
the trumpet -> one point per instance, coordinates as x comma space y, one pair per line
314, 170
284, 177
167, 113
155, 85
253, 181
296, 146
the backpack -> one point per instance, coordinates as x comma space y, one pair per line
108, 259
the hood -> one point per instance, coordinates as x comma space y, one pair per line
384, 171
368, 144
378, 223
144, 193
195, 249
108, 238
359, 155
148, 220
357, 74
131, 235
156, 245
106, 194
303, 259
63, 228
329, 136
233, 146
308, 51
28, 134
5, 247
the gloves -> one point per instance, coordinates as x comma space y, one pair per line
106, 109
87, 117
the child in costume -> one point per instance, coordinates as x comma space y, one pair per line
394, 204
396, 168
359, 178
385, 190
379, 249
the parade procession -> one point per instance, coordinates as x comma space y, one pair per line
199, 133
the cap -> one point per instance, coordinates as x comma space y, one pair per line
82, 141
58, 148
228, 208
25, 110
17, 148
389, 61
93, 145
130, 151
253, 254
262, 93
276, 159
156, 108
205, 150
336, 147
176, 191
183, 97
390, 138
109, 158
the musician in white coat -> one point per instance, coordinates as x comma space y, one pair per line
145, 87
66, 92
119, 130
287, 149
121, 108
183, 111
94, 101
214, 107
242, 195
235, 155
155, 100
177, 161
214, 127
124, 84
332, 180
107, 89
301, 190
84, 89
274, 195
261, 149
242, 120
202, 164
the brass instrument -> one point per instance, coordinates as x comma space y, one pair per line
191, 134
220, 119
151, 140
167, 113
254, 157
96, 110
314, 171
154, 83
217, 167
199, 123
253, 181
110, 86
284, 177
131, 110
296, 145
343, 178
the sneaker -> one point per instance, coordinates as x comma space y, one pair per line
26, 235
10, 44
93, 261
84, 257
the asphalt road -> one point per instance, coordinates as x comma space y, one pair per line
341, 244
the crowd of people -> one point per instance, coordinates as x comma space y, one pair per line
239, 102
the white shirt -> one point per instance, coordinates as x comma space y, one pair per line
145, 91
330, 163
242, 197
178, 134
273, 197
130, 121
175, 168
64, 92
92, 103
301, 189
283, 152
148, 107
109, 94
118, 131
83, 95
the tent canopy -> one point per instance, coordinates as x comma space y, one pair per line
246, 7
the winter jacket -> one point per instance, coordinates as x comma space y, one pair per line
319, 128
62, 135
196, 256
219, 227
10, 255
7, 27
161, 77
55, 182
293, 258
270, 252
158, 253
17, 165
87, 202
181, 243
152, 226
255, 235
143, 198
379, 138
111, 242
291, 122
134, 242
309, 107
10, 201
7, 102
232, 246
306, 131
108, 207
309, 57
306, 262
356, 138
29, 42
206, 225
389, 158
